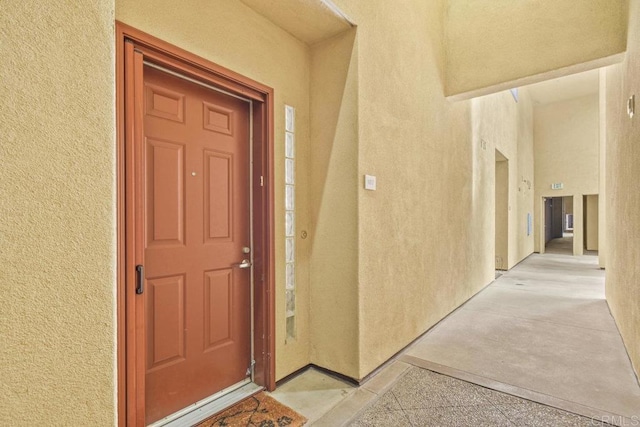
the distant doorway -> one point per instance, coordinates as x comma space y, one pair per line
558, 225
502, 212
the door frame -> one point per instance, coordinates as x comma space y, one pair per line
133, 46
542, 232
504, 237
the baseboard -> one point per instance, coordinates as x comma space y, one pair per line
387, 362
329, 372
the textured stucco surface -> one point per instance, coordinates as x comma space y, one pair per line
434, 205
507, 125
378, 268
317, 23
334, 204
231, 34
622, 195
492, 42
525, 180
57, 233
602, 184
502, 212
591, 222
567, 150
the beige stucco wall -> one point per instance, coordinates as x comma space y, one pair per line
507, 125
602, 185
334, 204
492, 42
591, 222
378, 268
231, 34
502, 213
523, 233
622, 196
567, 147
435, 199
57, 204
420, 219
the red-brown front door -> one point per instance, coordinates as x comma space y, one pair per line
197, 222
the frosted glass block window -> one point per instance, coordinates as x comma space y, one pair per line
290, 275
289, 249
290, 118
288, 171
291, 302
289, 220
289, 145
291, 326
289, 225
289, 195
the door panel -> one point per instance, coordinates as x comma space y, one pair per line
164, 103
165, 317
218, 319
217, 118
165, 192
218, 189
197, 222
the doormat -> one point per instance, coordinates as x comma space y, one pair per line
258, 410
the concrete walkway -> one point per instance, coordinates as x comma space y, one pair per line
561, 246
535, 347
542, 331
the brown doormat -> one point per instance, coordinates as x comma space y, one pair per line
258, 410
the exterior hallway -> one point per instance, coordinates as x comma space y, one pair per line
202, 199
542, 332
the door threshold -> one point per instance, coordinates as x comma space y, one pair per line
200, 411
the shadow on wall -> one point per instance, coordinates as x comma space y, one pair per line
334, 203
333, 113
437, 50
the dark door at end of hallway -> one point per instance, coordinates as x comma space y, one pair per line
197, 298
552, 218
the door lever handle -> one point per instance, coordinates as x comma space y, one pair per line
244, 264
139, 279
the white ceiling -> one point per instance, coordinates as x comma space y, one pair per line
564, 88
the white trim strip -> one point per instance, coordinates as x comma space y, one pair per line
210, 406
198, 82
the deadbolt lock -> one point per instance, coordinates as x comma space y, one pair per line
246, 250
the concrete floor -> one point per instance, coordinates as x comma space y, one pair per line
313, 393
541, 332
425, 398
562, 245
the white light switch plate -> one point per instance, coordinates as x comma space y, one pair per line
369, 182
